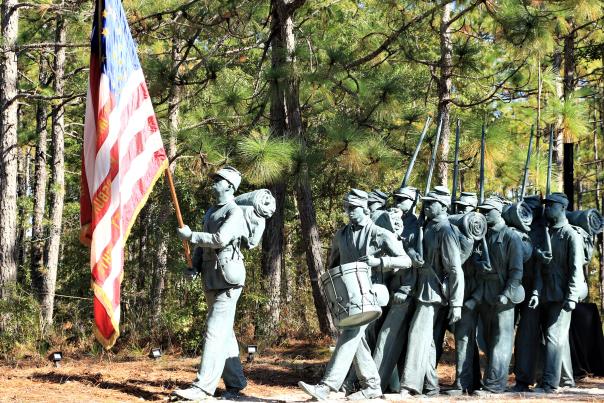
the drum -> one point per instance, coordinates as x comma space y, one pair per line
350, 296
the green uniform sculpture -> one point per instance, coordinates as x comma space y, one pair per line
392, 338
359, 240
466, 354
498, 290
224, 276
440, 283
560, 287
528, 333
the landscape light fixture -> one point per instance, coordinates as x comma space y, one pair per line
56, 357
251, 352
155, 353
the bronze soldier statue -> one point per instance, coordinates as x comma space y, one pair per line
224, 276
499, 289
560, 287
359, 240
440, 283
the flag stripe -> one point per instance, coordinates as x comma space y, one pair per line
122, 158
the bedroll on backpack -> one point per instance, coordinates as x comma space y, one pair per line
257, 206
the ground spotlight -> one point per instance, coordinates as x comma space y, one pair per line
155, 353
56, 357
251, 352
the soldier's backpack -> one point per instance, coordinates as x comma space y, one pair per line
257, 206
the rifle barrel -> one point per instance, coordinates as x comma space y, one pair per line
482, 149
526, 165
549, 161
416, 152
433, 158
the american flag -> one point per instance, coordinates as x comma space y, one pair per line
123, 156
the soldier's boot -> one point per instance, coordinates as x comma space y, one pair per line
365, 394
319, 392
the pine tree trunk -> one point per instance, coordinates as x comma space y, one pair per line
23, 191
8, 143
569, 87
305, 205
272, 243
444, 94
558, 152
39, 190
58, 180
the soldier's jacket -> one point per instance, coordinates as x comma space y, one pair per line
563, 279
218, 255
532, 267
442, 265
506, 255
352, 242
405, 281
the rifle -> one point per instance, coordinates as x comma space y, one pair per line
549, 161
416, 152
433, 158
455, 166
485, 248
422, 217
526, 165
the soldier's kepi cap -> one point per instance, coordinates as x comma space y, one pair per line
467, 199
492, 203
440, 194
356, 197
377, 196
230, 174
557, 197
407, 192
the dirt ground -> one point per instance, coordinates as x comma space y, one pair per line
272, 377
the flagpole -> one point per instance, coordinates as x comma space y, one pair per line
178, 215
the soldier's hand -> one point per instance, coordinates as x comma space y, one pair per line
190, 273
569, 305
470, 304
416, 260
544, 257
454, 314
483, 266
399, 297
185, 233
371, 261
533, 302
503, 300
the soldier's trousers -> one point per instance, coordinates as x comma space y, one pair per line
467, 367
392, 340
498, 323
527, 344
420, 362
556, 323
352, 348
220, 351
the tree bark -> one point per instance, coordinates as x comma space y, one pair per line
558, 152
569, 87
23, 189
305, 205
39, 189
8, 143
58, 180
444, 94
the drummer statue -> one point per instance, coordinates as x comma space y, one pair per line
358, 241
221, 264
